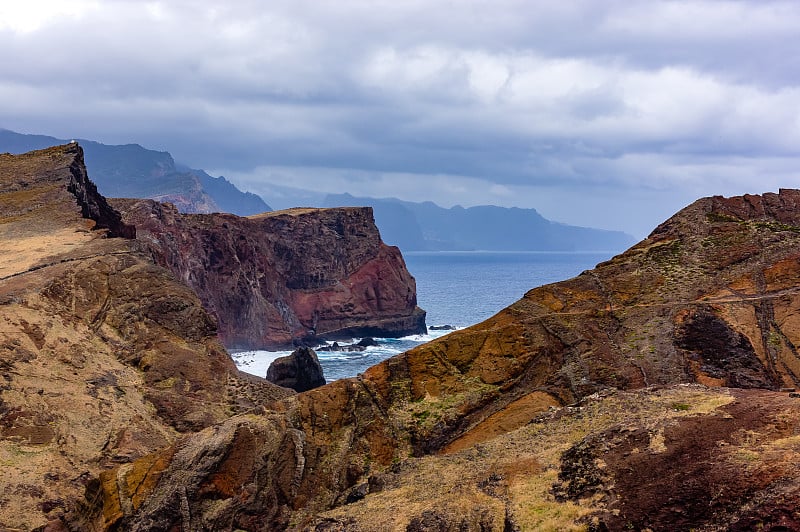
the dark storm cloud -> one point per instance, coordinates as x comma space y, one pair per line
567, 108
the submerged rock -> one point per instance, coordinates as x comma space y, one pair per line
367, 342
357, 347
299, 371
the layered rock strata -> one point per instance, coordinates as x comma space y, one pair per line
284, 277
710, 298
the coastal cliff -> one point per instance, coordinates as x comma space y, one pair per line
284, 277
645, 393
108, 357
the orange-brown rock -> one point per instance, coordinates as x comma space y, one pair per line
105, 356
468, 431
284, 277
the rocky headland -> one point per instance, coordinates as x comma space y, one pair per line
284, 277
648, 393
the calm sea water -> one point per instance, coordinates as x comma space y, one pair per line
455, 288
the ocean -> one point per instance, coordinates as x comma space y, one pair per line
458, 288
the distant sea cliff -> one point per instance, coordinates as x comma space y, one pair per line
428, 227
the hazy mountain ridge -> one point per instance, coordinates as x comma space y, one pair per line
428, 227
132, 171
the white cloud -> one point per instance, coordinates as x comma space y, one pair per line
33, 15
704, 20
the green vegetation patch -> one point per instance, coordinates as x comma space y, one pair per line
718, 217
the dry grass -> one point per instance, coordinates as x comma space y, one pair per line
294, 211
22, 253
525, 464
47, 393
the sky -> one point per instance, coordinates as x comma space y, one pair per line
611, 114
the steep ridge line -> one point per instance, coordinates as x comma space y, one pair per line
701, 302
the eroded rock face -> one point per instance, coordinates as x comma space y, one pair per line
284, 277
299, 371
709, 298
44, 187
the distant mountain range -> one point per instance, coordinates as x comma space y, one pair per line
426, 226
131, 171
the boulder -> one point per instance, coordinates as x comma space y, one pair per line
299, 371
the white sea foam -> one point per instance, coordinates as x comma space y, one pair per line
338, 364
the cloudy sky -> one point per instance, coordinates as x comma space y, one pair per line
607, 113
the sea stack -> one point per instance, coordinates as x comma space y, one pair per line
299, 371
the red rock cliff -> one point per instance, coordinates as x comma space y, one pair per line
285, 276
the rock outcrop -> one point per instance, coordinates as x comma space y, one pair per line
468, 431
284, 277
300, 371
131, 171
105, 356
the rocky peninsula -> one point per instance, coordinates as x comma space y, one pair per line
108, 356
284, 277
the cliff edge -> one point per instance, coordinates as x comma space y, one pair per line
284, 277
